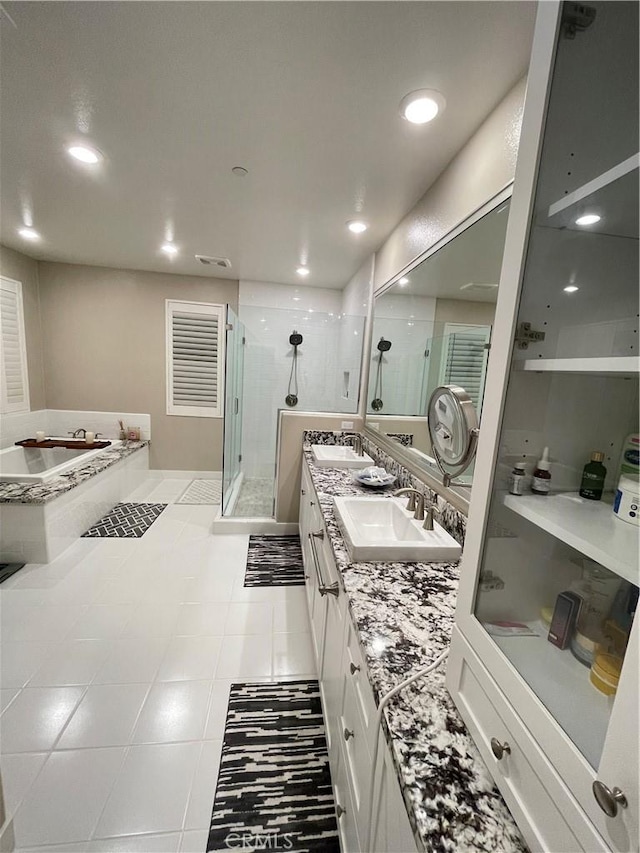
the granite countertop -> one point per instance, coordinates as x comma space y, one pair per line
42, 493
403, 614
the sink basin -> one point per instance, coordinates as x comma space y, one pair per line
382, 529
337, 456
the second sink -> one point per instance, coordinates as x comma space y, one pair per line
382, 529
338, 456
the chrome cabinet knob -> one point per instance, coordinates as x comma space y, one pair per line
499, 749
348, 733
302, 492
608, 799
353, 668
339, 810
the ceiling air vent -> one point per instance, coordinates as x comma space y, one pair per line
211, 261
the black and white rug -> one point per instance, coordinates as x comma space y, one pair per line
274, 785
274, 561
126, 521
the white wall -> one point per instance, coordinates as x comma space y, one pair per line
478, 172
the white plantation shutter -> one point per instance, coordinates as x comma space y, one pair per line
195, 359
14, 380
464, 359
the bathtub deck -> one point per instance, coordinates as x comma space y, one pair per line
42, 493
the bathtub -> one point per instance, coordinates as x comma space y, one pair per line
37, 465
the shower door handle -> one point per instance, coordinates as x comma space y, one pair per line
236, 406
323, 589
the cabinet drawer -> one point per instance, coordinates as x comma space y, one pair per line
346, 816
541, 804
356, 673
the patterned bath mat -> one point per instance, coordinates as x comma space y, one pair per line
274, 785
202, 492
126, 521
274, 561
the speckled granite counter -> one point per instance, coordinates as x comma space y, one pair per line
42, 493
403, 614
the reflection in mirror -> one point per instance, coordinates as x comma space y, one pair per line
432, 327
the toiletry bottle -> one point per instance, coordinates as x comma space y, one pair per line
593, 475
516, 479
630, 461
541, 483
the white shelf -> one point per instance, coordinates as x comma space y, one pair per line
588, 526
613, 194
562, 684
623, 365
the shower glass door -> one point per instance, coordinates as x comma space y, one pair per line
234, 371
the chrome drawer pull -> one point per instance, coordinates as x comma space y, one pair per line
348, 734
499, 749
353, 668
608, 799
339, 810
334, 589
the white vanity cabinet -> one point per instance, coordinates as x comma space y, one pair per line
563, 373
347, 699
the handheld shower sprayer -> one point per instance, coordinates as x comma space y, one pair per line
295, 339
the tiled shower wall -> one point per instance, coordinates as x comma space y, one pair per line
329, 361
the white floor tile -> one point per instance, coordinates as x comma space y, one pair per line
194, 841
290, 618
7, 695
190, 659
104, 621
132, 660
18, 774
20, 661
293, 655
208, 588
165, 843
251, 618
152, 619
73, 662
42, 624
82, 777
243, 657
218, 709
105, 717
201, 620
204, 786
34, 720
151, 791
173, 711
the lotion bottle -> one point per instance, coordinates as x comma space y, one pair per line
541, 483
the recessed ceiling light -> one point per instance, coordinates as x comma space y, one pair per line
403, 281
357, 226
588, 219
29, 234
422, 106
169, 249
85, 154
570, 288
303, 271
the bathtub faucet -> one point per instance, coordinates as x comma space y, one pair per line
78, 433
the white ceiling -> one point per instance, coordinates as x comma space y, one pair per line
304, 95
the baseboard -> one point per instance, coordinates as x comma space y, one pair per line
259, 526
159, 474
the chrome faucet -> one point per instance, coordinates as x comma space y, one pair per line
78, 432
357, 443
415, 504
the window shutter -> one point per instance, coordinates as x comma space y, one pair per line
14, 380
465, 362
195, 359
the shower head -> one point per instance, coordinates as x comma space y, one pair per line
295, 339
384, 346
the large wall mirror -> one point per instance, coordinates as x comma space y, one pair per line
432, 326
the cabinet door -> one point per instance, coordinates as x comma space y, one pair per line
331, 675
563, 375
391, 831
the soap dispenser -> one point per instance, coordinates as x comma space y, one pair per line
541, 483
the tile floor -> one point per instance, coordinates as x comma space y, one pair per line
116, 665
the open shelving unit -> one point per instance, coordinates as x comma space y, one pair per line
626, 365
588, 526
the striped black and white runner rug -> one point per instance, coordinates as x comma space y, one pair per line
274, 561
274, 786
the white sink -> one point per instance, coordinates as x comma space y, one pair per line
382, 529
337, 456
